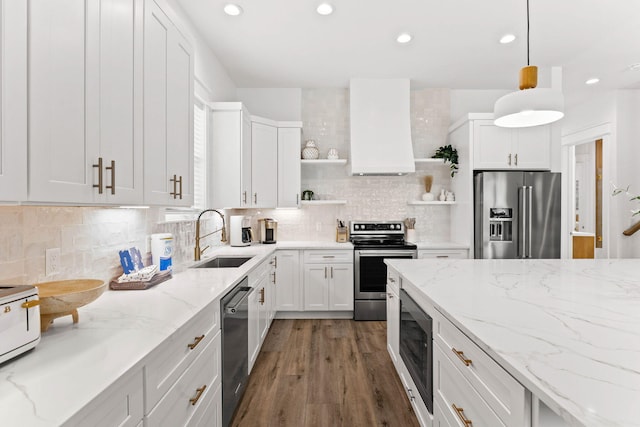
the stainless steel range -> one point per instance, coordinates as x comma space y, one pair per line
374, 241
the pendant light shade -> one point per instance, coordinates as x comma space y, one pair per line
529, 106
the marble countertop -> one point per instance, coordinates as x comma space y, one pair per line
441, 245
568, 330
75, 363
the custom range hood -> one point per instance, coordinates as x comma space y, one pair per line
380, 127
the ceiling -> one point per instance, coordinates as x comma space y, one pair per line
285, 43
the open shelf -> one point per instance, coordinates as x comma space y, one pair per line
435, 202
323, 162
429, 160
324, 202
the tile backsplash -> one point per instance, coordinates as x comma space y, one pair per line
89, 239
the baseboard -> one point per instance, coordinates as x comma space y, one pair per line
314, 315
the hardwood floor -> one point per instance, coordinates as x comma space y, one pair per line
324, 373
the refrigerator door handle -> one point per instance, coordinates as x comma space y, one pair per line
529, 219
522, 222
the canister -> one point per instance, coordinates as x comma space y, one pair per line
162, 250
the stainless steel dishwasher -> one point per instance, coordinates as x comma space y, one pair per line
235, 347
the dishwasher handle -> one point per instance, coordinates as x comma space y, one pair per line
237, 300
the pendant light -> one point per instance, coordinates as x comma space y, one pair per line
530, 106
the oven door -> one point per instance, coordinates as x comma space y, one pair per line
416, 346
370, 281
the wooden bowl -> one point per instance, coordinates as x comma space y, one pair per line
62, 298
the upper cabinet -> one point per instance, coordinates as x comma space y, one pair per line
85, 101
13, 100
502, 148
289, 165
254, 162
168, 111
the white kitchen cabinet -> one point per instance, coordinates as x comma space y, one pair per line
288, 290
504, 148
253, 320
289, 167
13, 100
443, 253
260, 308
230, 156
264, 161
328, 280
85, 101
393, 315
120, 405
168, 111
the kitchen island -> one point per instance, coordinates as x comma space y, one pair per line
567, 330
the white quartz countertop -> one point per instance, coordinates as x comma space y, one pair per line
568, 330
441, 245
75, 363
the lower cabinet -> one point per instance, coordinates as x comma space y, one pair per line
328, 280
260, 308
443, 253
288, 283
120, 405
393, 325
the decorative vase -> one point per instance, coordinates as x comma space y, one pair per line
442, 197
428, 197
310, 150
332, 154
450, 197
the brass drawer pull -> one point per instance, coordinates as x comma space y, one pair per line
99, 184
262, 296
174, 193
392, 280
460, 355
195, 342
509, 159
460, 412
516, 157
199, 392
31, 304
112, 168
180, 183
244, 197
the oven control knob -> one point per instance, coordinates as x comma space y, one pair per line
357, 227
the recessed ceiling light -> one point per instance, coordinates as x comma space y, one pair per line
507, 38
592, 81
325, 9
404, 38
232, 9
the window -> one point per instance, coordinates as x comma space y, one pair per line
199, 155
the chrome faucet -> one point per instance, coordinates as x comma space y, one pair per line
223, 234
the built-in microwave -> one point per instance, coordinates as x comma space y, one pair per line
416, 346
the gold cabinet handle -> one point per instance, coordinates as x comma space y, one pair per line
262, 296
199, 392
460, 412
297, 199
99, 184
31, 304
390, 295
180, 186
325, 272
244, 197
460, 355
442, 256
112, 168
516, 159
392, 280
509, 159
195, 342
174, 180
274, 277
332, 272
255, 198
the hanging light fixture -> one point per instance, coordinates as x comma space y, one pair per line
530, 106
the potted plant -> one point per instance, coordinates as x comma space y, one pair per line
449, 154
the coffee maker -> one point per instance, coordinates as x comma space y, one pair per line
241, 234
268, 230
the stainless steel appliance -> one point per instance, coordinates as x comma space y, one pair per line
241, 234
19, 320
374, 241
268, 230
416, 346
517, 214
234, 307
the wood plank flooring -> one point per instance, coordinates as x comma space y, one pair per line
324, 373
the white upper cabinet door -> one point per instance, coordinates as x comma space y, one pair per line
264, 169
533, 147
168, 112
13, 97
245, 161
60, 151
491, 146
180, 111
114, 97
288, 167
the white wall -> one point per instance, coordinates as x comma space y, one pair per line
464, 101
283, 104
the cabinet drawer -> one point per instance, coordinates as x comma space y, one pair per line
445, 253
325, 257
174, 355
186, 396
502, 392
210, 412
452, 390
259, 272
393, 281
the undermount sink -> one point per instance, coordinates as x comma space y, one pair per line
223, 262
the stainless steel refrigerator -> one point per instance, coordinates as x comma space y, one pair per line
517, 214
